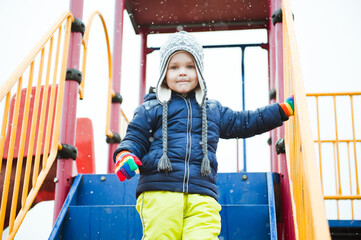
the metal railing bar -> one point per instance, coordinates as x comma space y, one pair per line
31, 141
6, 87
337, 148
4, 127
9, 162
328, 94
39, 140
336, 179
223, 46
319, 142
111, 92
21, 148
52, 100
337, 143
340, 141
349, 173
31, 138
309, 207
354, 145
43, 174
45, 99
342, 197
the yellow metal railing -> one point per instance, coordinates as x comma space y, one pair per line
85, 52
111, 93
338, 149
308, 208
43, 140
41, 136
124, 122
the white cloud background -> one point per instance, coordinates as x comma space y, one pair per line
328, 35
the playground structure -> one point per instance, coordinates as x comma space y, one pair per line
40, 129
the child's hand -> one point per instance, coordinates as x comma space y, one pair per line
127, 165
288, 106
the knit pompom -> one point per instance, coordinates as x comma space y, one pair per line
164, 164
205, 168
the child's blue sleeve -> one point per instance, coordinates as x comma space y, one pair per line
244, 124
138, 133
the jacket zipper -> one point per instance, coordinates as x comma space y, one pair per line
188, 148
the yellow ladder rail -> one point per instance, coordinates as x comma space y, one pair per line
306, 191
40, 121
111, 93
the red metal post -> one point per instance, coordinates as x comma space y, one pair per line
117, 63
272, 83
68, 121
143, 66
286, 228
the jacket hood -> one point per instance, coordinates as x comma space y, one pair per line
149, 96
181, 41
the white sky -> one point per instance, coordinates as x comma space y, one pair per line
328, 35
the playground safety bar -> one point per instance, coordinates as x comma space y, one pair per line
41, 137
308, 208
123, 123
345, 166
111, 92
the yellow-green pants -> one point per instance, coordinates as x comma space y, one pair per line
173, 215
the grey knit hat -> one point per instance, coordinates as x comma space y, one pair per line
182, 41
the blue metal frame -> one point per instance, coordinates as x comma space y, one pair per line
243, 48
272, 207
100, 207
345, 229
344, 223
222, 46
55, 233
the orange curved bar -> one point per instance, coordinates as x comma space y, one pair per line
85, 45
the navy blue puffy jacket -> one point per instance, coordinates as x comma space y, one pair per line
144, 139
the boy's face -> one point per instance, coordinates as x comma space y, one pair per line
181, 74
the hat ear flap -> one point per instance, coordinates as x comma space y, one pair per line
201, 90
162, 91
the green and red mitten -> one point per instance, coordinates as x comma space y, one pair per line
127, 165
288, 106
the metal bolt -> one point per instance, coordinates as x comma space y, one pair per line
102, 178
56, 180
244, 177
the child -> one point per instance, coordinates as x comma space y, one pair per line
173, 140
